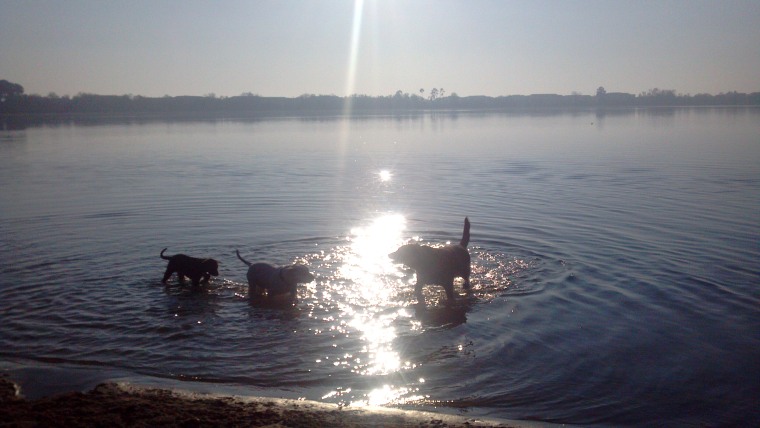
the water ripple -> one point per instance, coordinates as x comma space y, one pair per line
614, 276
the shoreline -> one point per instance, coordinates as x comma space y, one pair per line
128, 404
45, 394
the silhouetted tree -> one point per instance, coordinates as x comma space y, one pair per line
9, 89
659, 97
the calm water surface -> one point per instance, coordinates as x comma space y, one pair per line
616, 259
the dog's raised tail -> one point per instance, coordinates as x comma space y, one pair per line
241, 258
163, 256
466, 233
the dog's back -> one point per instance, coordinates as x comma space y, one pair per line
442, 265
261, 275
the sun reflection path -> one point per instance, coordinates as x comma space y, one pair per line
371, 304
367, 303
367, 261
367, 297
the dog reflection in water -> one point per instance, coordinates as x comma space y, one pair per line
447, 316
276, 281
437, 266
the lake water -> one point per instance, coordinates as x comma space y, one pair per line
616, 260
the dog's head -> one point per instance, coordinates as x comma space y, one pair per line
408, 254
297, 274
211, 266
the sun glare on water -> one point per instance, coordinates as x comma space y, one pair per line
367, 261
385, 175
370, 305
371, 302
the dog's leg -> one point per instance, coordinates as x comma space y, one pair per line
449, 291
167, 274
206, 277
254, 292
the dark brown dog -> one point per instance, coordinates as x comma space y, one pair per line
438, 266
275, 280
191, 267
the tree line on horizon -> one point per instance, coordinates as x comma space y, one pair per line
13, 101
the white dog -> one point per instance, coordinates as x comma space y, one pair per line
275, 280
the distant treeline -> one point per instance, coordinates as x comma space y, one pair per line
14, 102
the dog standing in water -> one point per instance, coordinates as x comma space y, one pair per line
275, 280
439, 266
191, 267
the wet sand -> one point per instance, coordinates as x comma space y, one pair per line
127, 405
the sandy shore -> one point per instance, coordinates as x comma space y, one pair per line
127, 405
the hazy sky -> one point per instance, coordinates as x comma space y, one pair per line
376, 47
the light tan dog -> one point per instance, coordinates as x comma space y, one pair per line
275, 280
438, 266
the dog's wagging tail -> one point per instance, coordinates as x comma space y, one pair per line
465, 233
242, 259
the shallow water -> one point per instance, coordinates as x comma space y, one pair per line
615, 258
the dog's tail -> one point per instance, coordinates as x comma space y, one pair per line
241, 258
163, 256
466, 233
